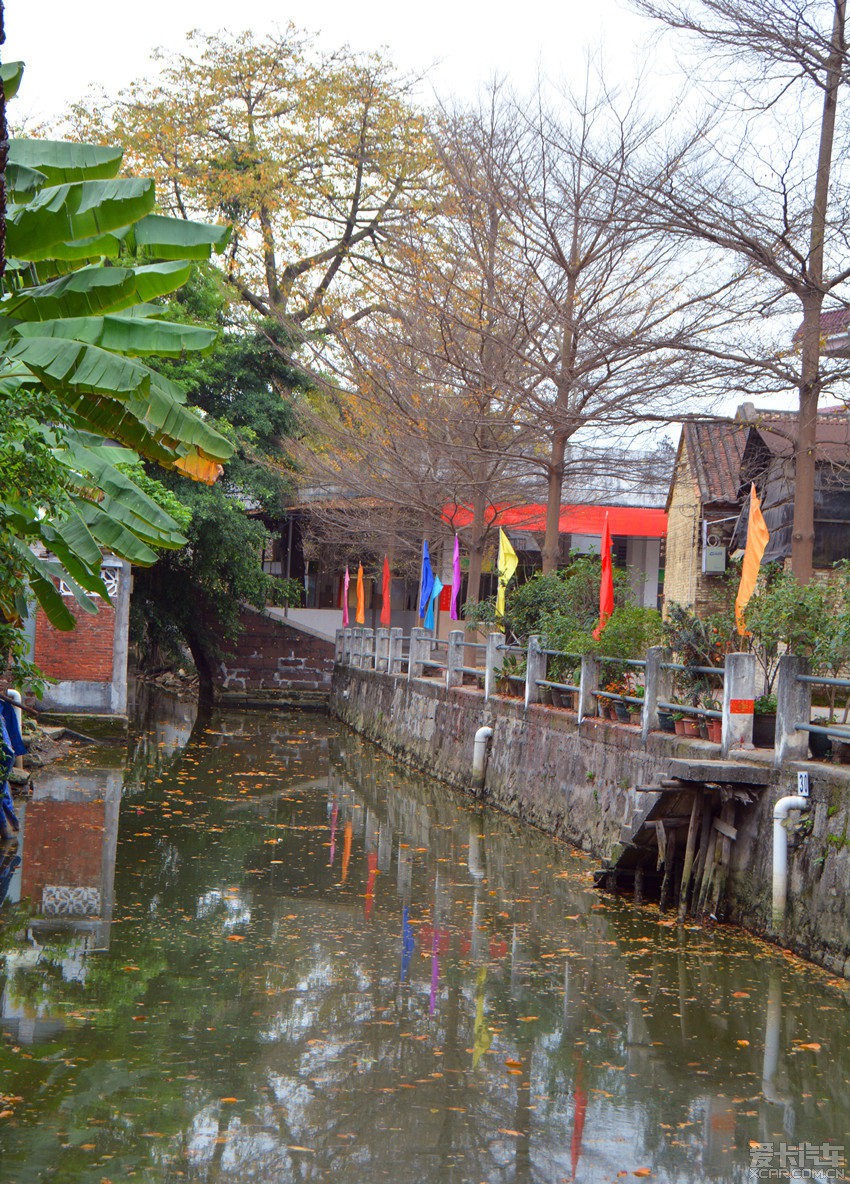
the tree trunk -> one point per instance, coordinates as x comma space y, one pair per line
803, 537
205, 666
477, 535
555, 485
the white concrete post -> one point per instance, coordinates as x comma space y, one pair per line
346, 645
394, 652
588, 683
356, 646
454, 662
793, 706
339, 645
535, 668
368, 652
418, 640
382, 642
658, 684
739, 688
493, 663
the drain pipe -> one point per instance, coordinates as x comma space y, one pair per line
479, 756
780, 855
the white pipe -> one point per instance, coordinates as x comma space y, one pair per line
479, 756
780, 855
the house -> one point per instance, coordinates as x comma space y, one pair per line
768, 461
715, 464
702, 508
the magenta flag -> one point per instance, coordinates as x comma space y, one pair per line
455, 581
346, 580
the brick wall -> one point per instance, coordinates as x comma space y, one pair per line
81, 655
270, 655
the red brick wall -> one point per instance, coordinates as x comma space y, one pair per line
82, 655
63, 844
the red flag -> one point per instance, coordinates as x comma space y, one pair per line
386, 595
606, 584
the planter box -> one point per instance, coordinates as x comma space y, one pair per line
690, 727
764, 730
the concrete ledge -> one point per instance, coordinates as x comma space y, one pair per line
98, 727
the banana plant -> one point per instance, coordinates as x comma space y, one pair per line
87, 260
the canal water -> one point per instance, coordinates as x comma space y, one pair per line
256, 949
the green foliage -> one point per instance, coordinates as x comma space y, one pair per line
72, 333
565, 602
784, 615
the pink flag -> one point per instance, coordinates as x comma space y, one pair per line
346, 580
455, 581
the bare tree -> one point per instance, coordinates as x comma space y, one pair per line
767, 186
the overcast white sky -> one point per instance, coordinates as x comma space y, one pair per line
68, 46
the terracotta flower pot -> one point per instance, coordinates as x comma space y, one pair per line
679, 727
714, 727
691, 728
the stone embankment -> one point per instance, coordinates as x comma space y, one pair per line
578, 782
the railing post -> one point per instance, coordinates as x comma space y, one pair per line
588, 683
382, 640
454, 662
368, 653
339, 643
793, 706
493, 663
658, 684
535, 668
356, 647
346, 646
418, 640
739, 688
394, 650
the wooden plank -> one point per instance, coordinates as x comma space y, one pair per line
690, 850
661, 837
726, 829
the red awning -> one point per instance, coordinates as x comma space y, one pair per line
628, 521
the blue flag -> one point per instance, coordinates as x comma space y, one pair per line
427, 580
435, 596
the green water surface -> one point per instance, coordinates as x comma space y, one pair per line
277, 956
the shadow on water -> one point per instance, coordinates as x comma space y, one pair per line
288, 959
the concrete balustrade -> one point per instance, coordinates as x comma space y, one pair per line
658, 685
454, 663
739, 689
494, 661
535, 669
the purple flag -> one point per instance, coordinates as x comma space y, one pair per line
455, 581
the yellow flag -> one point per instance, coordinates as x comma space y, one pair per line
757, 539
505, 567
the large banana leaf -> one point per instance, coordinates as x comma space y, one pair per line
11, 74
64, 213
125, 334
92, 291
176, 238
66, 160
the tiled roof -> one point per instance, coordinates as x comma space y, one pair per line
837, 320
714, 451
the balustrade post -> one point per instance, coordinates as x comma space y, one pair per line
494, 660
535, 668
588, 683
382, 641
658, 684
368, 653
793, 706
346, 646
356, 647
418, 640
394, 651
339, 643
739, 688
454, 662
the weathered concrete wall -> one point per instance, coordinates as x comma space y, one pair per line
577, 783
272, 656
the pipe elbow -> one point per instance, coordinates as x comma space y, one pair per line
786, 804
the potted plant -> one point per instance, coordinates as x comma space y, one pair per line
690, 726
666, 721
513, 667
636, 709
678, 719
764, 721
713, 727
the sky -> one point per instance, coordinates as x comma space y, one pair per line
460, 43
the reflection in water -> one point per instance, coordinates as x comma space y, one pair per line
251, 1016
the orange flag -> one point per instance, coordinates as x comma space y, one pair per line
757, 539
386, 594
606, 584
360, 616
